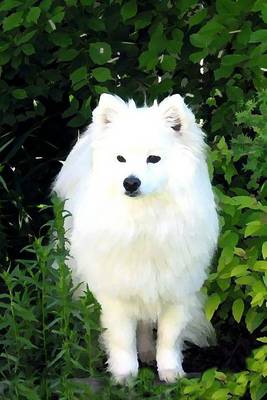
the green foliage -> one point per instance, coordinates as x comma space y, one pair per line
49, 336
56, 57
240, 279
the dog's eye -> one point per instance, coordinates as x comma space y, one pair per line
121, 159
153, 159
177, 127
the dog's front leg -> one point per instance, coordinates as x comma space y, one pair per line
172, 320
120, 340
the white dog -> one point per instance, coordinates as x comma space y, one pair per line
143, 230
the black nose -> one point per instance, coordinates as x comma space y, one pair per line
131, 184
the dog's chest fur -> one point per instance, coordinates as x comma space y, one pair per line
150, 251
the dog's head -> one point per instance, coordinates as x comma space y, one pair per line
137, 150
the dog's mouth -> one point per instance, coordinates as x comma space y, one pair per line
133, 194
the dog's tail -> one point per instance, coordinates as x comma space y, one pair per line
199, 330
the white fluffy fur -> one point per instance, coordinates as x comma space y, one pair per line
144, 258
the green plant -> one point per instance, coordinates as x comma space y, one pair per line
49, 336
240, 277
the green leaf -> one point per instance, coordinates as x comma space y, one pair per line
142, 20
66, 55
253, 319
46, 4
198, 17
198, 55
4, 57
243, 36
33, 15
71, 2
158, 40
87, 2
258, 36
175, 44
168, 63
61, 39
264, 13
226, 8
57, 357
100, 52
58, 14
260, 392
238, 309
264, 250
223, 72
208, 377
206, 34
239, 270
128, 10
101, 74
86, 107
234, 93
258, 61
27, 392
19, 94
260, 266
12, 21
72, 109
23, 312
245, 201
212, 304
25, 37
8, 5
226, 255
77, 121
184, 5
96, 24
100, 89
252, 227
229, 239
80, 84
262, 339
78, 75
148, 60
28, 49
220, 394
233, 59
246, 280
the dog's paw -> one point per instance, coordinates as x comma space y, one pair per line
125, 378
123, 367
171, 375
169, 362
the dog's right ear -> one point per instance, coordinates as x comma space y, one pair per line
108, 108
176, 113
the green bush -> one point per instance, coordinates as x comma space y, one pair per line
56, 57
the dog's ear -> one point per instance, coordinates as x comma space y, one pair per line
108, 108
175, 112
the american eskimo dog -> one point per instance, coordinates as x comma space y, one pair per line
143, 229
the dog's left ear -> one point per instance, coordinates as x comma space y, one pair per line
108, 108
175, 112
